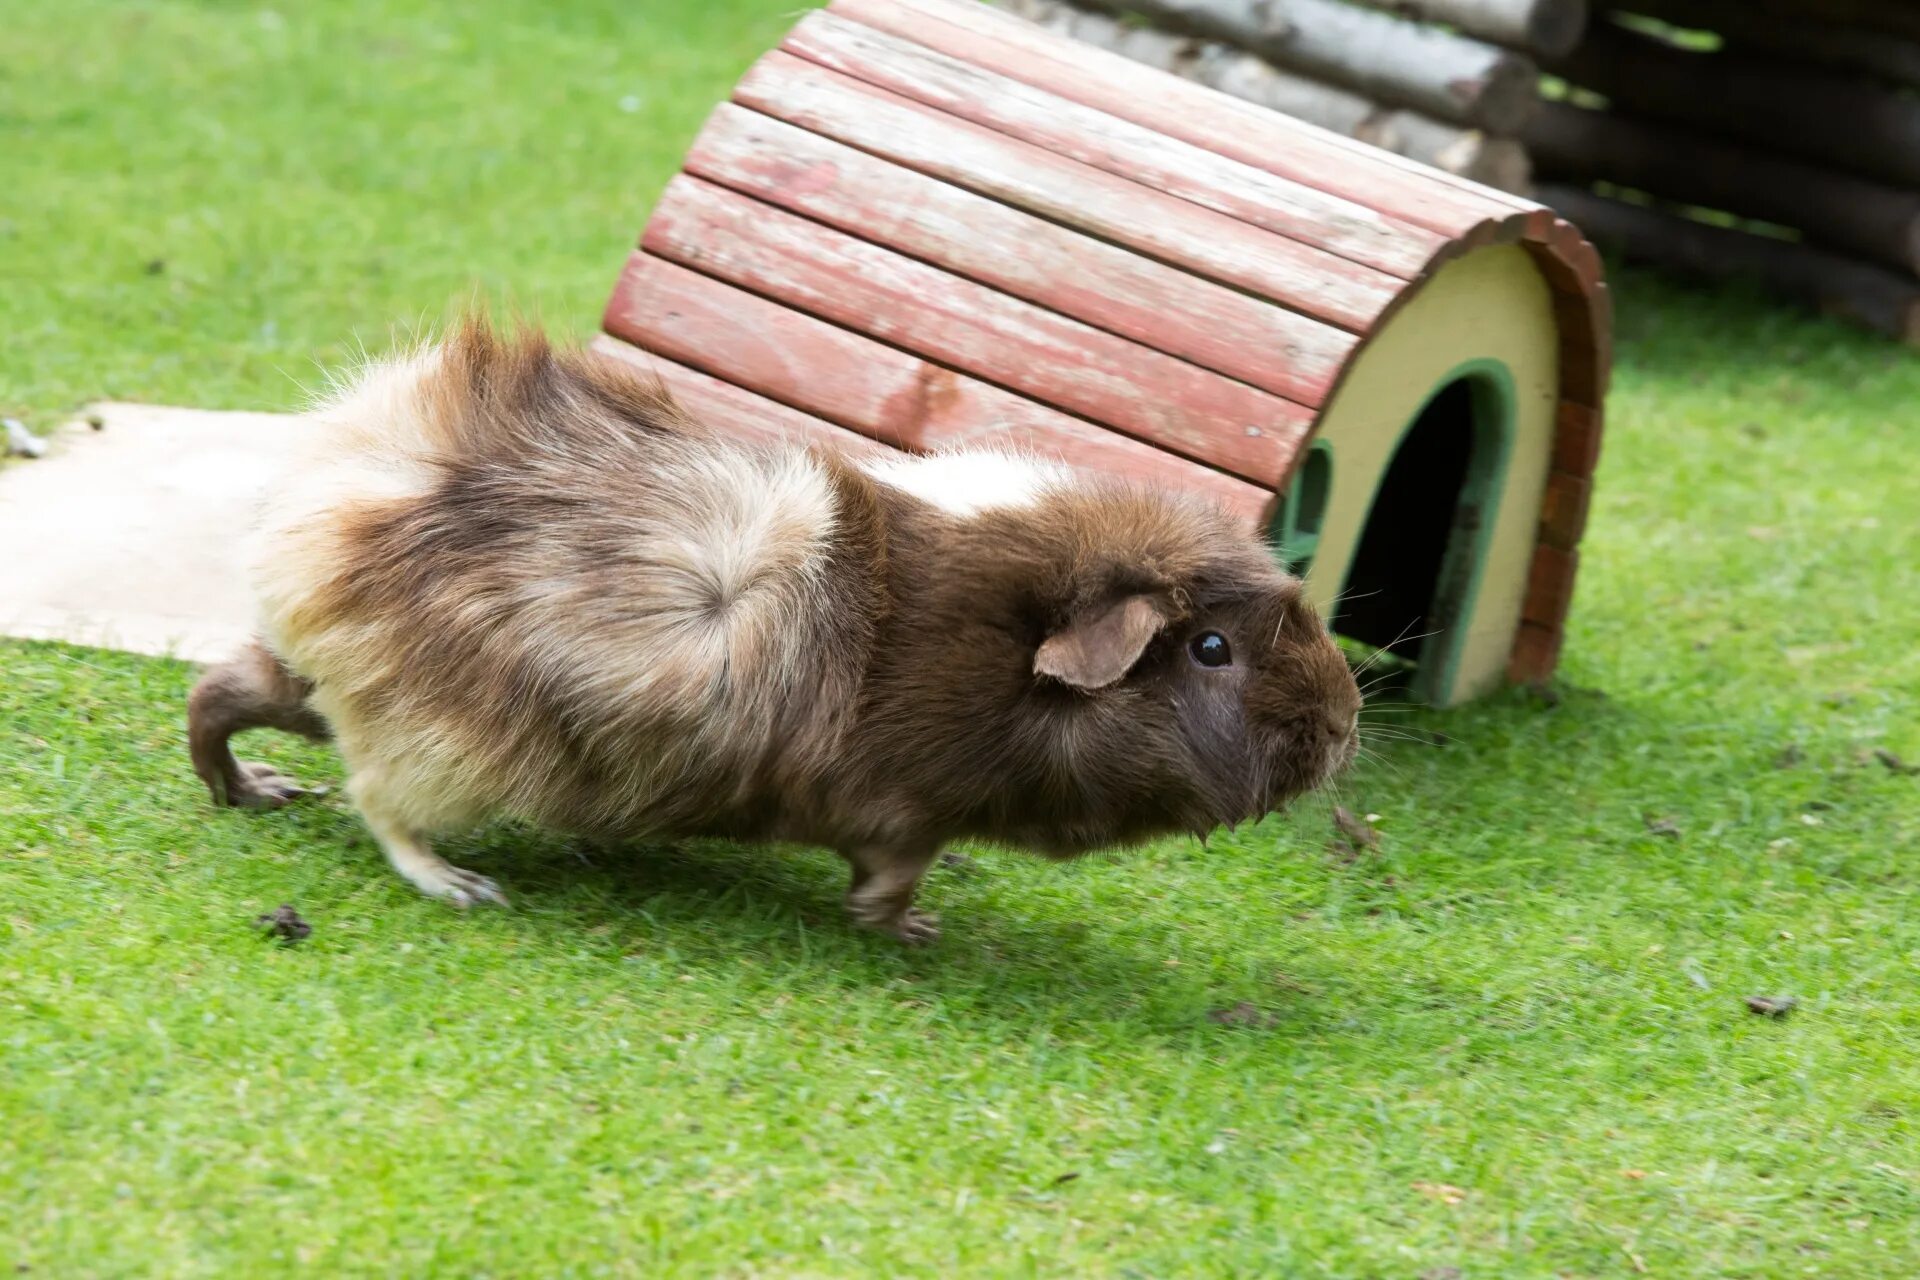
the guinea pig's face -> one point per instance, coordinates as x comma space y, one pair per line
1262, 693
1232, 702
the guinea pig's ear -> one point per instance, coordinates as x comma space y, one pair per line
1102, 644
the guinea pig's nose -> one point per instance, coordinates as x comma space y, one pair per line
1337, 728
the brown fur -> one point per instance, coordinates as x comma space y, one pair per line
523, 582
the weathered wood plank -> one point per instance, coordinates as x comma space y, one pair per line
1410, 64
879, 391
1576, 438
1285, 206
1204, 117
733, 409
1563, 509
1298, 276
1536, 652
1542, 26
1550, 585
1500, 162
1062, 362
1029, 257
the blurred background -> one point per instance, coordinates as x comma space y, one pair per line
203, 199
1776, 140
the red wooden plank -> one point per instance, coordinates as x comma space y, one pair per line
876, 390
1106, 286
1576, 438
1586, 344
1583, 310
1281, 205
1536, 652
1115, 382
1563, 510
1298, 276
1191, 112
1550, 585
731, 409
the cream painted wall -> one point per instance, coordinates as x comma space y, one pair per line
1490, 303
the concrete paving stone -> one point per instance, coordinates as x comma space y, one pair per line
132, 536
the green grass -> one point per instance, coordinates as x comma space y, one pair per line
680, 1062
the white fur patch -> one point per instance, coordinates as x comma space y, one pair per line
967, 483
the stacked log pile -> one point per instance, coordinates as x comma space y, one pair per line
1777, 139
1450, 83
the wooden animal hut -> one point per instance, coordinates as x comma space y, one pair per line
921, 224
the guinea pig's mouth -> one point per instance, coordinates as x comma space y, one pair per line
1340, 755
1274, 783
1293, 774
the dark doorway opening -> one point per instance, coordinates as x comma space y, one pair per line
1397, 596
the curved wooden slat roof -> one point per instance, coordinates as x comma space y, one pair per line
927, 223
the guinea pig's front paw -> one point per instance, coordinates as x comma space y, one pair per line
913, 926
917, 928
461, 887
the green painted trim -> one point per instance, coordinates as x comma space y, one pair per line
1495, 413
1293, 546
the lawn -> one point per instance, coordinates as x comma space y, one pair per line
1510, 1042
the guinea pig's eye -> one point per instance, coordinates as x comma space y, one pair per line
1210, 649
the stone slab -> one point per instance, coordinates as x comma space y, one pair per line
130, 536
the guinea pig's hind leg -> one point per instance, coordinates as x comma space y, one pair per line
253, 691
407, 849
881, 898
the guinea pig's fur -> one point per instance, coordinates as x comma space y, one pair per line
522, 582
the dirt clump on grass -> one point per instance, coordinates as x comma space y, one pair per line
1894, 762
1244, 1014
284, 923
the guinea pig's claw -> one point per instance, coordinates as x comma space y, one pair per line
916, 928
465, 889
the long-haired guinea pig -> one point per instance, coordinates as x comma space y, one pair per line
520, 582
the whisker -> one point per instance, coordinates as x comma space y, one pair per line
1397, 733
1388, 647
1343, 597
1388, 744
1385, 766
1382, 744
1374, 751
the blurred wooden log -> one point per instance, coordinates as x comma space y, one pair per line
1404, 63
1750, 27
1857, 291
1816, 115
1498, 162
1893, 17
1572, 144
1549, 27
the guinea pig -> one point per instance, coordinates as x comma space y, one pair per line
522, 582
